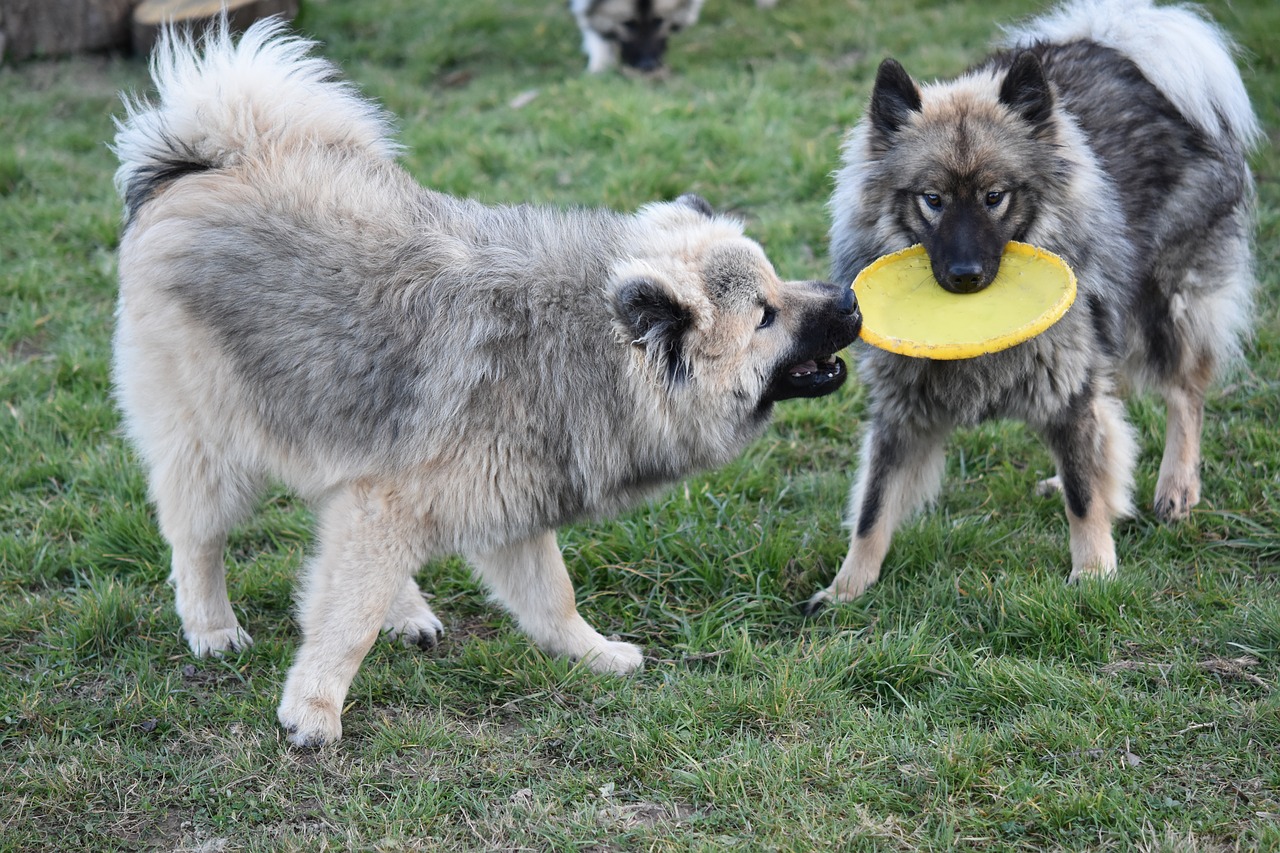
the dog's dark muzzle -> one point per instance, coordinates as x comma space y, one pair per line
814, 370
644, 54
964, 278
965, 250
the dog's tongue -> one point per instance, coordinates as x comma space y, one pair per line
803, 369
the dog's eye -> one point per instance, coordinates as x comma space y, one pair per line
994, 198
933, 200
675, 28
770, 314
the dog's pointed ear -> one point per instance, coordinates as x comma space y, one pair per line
1026, 91
650, 316
893, 98
697, 203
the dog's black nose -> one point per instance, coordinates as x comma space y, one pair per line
964, 278
648, 63
847, 305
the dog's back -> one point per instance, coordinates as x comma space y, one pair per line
1157, 93
1184, 55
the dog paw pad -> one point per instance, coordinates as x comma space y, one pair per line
616, 658
311, 726
816, 603
218, 643
422, 633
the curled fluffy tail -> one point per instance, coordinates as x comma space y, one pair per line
1181, 51
221, 101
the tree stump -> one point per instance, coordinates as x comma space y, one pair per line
55, 27
150, 15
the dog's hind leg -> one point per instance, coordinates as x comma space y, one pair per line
1178, 488
531, 581
901, 470
199, 497
1095, 450
371, 542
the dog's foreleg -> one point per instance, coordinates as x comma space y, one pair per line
602, 54
531, 581
901, 470
1094, 448
370, 544
1178, 488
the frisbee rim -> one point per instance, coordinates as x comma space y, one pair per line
950, 351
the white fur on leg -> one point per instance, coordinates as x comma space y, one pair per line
860, 569
1178, 488
1093, 550
199, 497
531, 581
411, 619
602, 54
368, 548
200, 597
909, 484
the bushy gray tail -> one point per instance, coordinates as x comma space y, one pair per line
222, 100
1180, 50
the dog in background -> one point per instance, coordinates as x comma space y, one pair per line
1113, 133
434, 375
633, 32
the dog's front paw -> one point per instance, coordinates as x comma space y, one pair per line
817, 603
612, 657
411, 620
831, 596
850, 582
423, 629
1175, 498
1050, 487
1096, 570
218, 642
309, 723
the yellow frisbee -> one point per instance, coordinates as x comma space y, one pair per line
904, 310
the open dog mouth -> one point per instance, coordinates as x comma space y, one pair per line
810, 378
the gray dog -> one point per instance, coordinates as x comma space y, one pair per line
434, 375
1114, 134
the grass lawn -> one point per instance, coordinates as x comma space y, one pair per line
970, 700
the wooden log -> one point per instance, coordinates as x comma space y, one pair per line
55, 27
150, 15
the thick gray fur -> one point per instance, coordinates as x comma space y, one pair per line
1134, 173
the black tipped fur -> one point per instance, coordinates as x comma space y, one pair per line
1082, 148
1072, 435
153, 177
698, 203
894, 98
1026, 91
657, 321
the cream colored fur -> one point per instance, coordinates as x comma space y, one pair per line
432, 375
